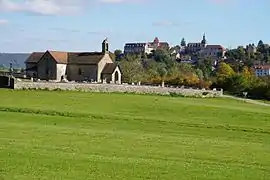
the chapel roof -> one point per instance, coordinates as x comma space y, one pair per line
68, 57
109, 68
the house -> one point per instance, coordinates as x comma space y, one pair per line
262, 70
145, 48
74, 66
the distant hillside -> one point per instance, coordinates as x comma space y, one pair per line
17, 59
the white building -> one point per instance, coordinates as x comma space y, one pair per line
262, 70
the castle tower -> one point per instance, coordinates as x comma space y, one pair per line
105, 46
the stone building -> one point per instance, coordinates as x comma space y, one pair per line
214, 51
196, 47
74, 66
145, 48
251, 48
206, 50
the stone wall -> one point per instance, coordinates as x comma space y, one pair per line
117, 88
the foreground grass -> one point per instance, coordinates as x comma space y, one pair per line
72, 135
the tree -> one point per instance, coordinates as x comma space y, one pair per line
224, 71
163, 56
163, 73
183, 42
261, 47
246, 72
205, 64
132, 69
237, 84
117, 54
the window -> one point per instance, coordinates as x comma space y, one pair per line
80, 71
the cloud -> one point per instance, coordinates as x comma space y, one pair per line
3, 21
52, 7
42, 7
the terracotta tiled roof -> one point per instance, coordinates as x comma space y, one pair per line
85, 57
68, 57
34, 57
109, 68
267, 66
60, 57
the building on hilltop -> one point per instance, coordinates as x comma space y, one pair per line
145, 48
215, 51
251, 48
192, 48
206, 50
74, 66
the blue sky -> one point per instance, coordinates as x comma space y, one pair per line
81, 25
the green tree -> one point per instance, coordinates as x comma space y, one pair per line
117, 54
237, 84
163, 56
183, 42
163, 73
132, 69
205, 64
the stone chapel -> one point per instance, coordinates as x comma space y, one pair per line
74, 66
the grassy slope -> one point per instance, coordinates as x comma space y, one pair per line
114, 136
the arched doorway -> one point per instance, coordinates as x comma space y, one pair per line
116, 77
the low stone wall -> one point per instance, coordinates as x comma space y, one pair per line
117, 88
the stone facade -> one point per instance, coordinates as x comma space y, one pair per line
81, 72
106, 59
116, 76
89, 87
46, 67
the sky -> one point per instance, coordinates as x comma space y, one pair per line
81, 25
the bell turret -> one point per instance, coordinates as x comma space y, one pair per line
105, 46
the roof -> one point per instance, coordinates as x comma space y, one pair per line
267, 66
109, 68
68, 57
215, 47
34, 57
194, 44
60, 57
85, 58
130, 44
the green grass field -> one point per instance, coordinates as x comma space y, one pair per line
79, 136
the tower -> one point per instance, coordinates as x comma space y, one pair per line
204, 42
105, 46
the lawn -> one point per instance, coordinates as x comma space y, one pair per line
76, 135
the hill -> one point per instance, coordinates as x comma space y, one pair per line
76, 135
17, 59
